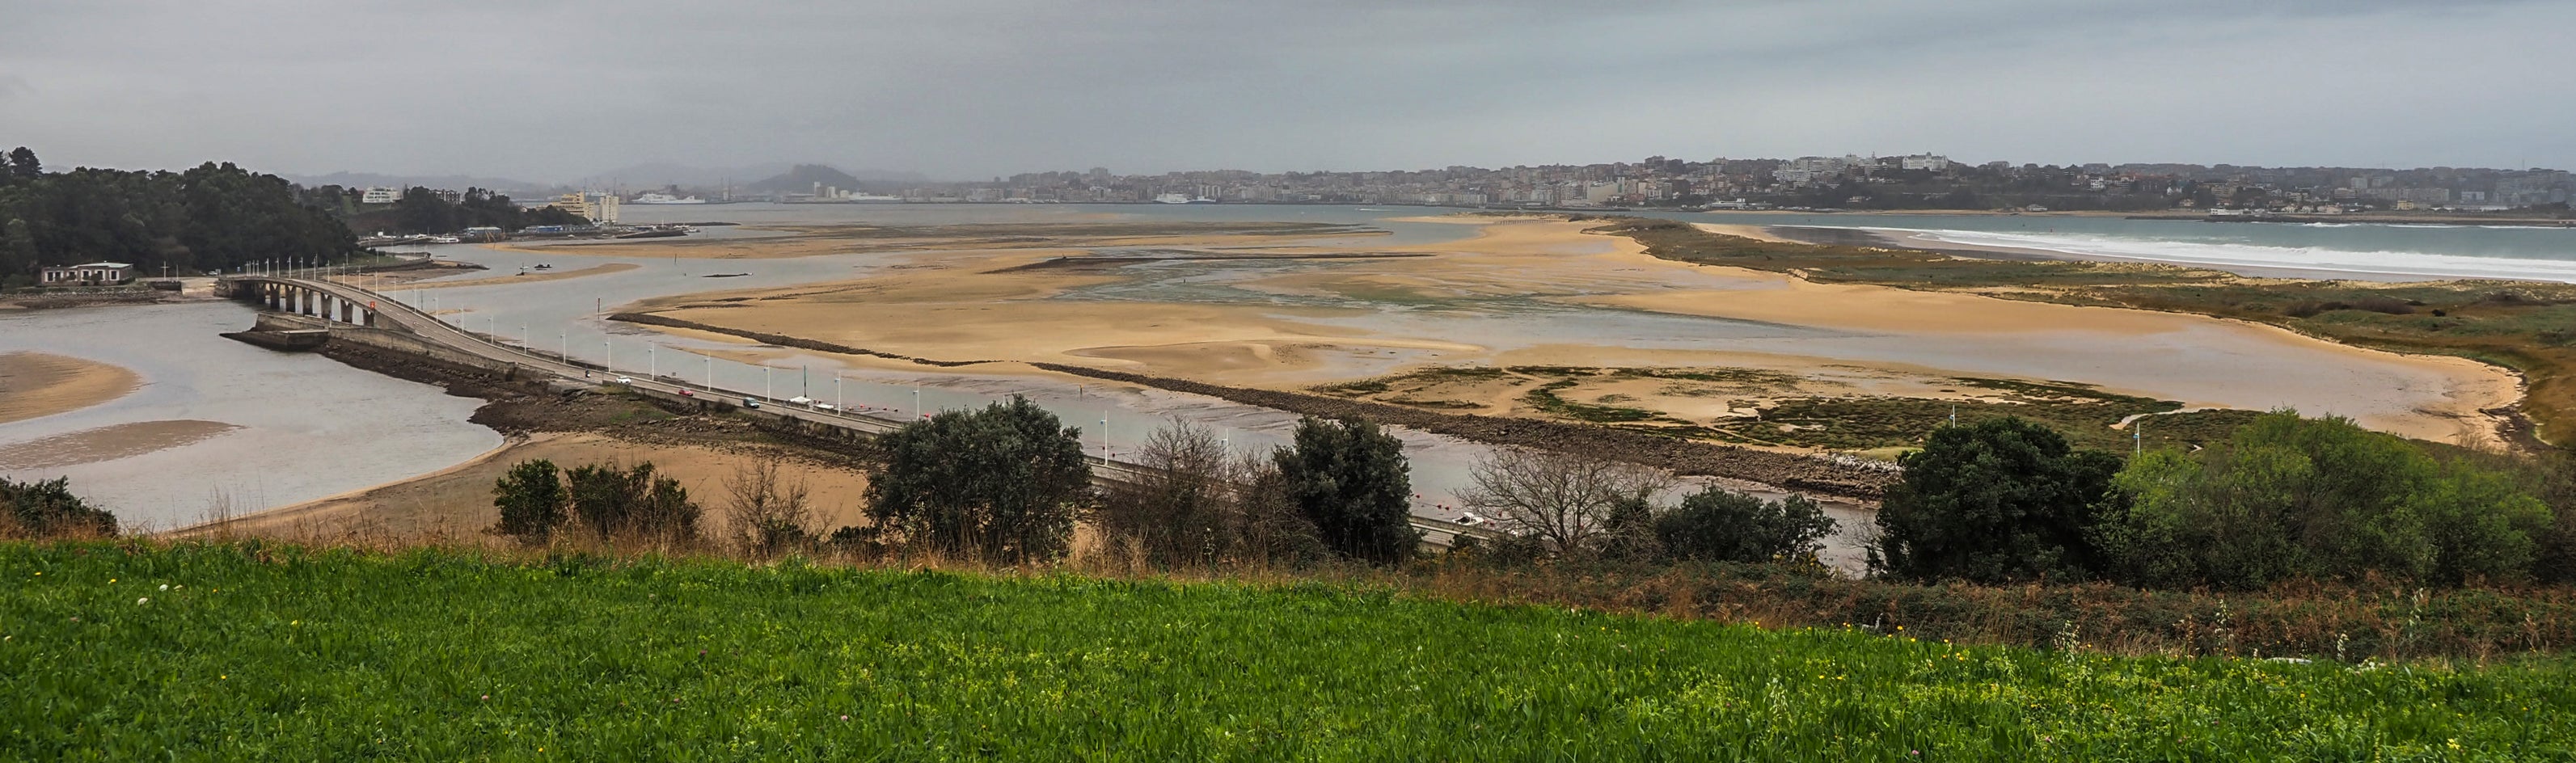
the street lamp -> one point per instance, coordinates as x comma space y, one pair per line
608, 355
652, 365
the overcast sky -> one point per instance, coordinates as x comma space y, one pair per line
963, 89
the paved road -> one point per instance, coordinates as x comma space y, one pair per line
1435, 531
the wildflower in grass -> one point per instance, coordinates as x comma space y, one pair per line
165, 586
143, 601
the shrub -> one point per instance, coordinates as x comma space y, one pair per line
47, 508
1350, 480
1720, 525
1003, 483
767, 513
2002, 500
620, 503
1195, 502
531, 498
2290, 497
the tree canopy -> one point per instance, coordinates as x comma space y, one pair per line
1004, 482
1351, 480
210, 217
1720, 525
2289, 498
2000, 501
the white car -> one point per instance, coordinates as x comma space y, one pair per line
826, 407
801, 400
626, 381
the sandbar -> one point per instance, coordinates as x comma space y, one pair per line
528, 277
108, 443
1492, 298
34, 384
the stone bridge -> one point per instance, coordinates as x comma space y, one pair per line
332, 302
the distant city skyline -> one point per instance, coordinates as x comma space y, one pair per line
968, 91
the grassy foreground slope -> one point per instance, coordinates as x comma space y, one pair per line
265, 652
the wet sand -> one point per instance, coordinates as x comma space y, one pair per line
34, 384
456, 503
532, 276
108, 443
1492, 299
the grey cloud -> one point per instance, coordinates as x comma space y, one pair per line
970, 89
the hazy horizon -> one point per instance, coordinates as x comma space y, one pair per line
561, 93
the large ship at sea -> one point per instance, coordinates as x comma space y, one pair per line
1174, 198
664, 198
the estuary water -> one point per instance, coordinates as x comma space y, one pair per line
300, 427
262, 428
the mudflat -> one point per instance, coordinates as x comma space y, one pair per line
1300, 314
108, 443
34, 384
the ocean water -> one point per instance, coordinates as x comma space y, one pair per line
2365, 250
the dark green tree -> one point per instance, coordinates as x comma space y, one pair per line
23, 164
1352, 481
1720, 525
18, 261
2290, 498
1999, 501
531, 498
421, 211
1002, 483
48, 509
636, 503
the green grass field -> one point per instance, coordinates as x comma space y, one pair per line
275, 653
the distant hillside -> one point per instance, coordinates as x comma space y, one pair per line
450, 182
802, 177
659, 174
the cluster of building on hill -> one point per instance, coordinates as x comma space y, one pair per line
1919, 181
